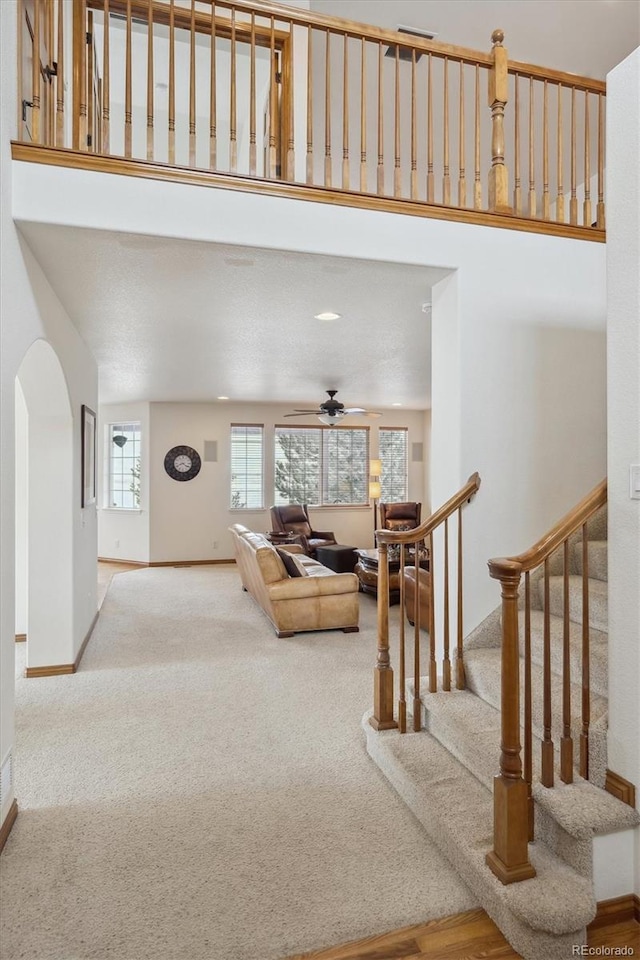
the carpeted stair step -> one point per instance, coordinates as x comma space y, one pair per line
598, 617
483, 672
597, 559
598, 648
569, 813
545, 916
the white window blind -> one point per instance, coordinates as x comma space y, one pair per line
321, 465
393, 445
124, 441
247, 460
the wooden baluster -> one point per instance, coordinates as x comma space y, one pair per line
272, 173
446, 180
600, 221
509, 859
586, 680
430, 175
363, 118
172, 82
460, 676
35, 75
79, 75
560, 162
462, 180
417, 705
310, 105
586, 207
547, 744
59, 77
533, 203
345, 114
252, 100
477, 184
150, 88
566, 741
192, 85
20, 52
546, 204
433, 666
573, 202
106, 88
382, 718
213, 98
233, 101
380, 170
90, 91
127, 87
397, 172
517, 189
290, 171
402, 700
327, 110
528, 736
446, 663
498, 96
414, 137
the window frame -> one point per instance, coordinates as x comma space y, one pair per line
323, 465
405, 497
110, 429
260, 427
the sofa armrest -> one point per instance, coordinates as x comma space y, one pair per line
323, 535
291, 548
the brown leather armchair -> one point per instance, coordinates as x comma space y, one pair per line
294, 518
424, 596
400, 516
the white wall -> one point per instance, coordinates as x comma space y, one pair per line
30, 310
623, 277
182, 521
21, 511
123, 534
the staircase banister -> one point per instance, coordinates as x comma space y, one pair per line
427, 526
504, 567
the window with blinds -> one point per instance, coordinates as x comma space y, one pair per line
393, 446
247, 466
321, 466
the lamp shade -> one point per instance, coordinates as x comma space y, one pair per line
119, 440
375, 468
374, 489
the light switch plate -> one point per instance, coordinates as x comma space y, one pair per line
634, 481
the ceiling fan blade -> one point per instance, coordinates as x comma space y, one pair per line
373, 414
359, 410
304, 413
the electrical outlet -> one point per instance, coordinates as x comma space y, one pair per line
117, 543
215, 544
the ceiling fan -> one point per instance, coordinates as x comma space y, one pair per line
332, 411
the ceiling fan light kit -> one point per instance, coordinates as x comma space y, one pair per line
331, 412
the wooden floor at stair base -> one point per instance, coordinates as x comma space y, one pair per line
465, 936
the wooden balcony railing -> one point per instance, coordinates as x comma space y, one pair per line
267, 97
417, 559
513, 803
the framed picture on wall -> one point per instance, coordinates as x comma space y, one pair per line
88, 456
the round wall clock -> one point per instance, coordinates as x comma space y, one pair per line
182, 463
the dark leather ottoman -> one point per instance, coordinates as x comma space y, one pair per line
337, 557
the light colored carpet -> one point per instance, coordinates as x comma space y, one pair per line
200, 789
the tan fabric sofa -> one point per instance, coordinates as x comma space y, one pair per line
322, 600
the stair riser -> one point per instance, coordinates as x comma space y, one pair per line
598, 659
597, 560
598, 615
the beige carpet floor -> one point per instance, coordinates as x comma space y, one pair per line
200, 790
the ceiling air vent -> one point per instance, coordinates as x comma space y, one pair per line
405, 52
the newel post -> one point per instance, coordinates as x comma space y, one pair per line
509, 859
382, 718
498, 96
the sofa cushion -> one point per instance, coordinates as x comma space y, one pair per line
270, 565
292, 563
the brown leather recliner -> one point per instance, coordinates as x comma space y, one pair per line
424, 596
294, 518
400, 516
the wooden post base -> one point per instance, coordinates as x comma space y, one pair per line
509, 859
382, 718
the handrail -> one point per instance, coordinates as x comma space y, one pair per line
416, 573
543, 548
513, 795
427, 526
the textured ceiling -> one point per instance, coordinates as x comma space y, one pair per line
587, 37
186, 321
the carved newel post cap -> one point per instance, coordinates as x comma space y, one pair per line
497, 37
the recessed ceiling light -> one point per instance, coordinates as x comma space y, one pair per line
327, 315
396, 404
222, 398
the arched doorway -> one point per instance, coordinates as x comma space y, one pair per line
44, 508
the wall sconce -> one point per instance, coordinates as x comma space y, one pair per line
375, 490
